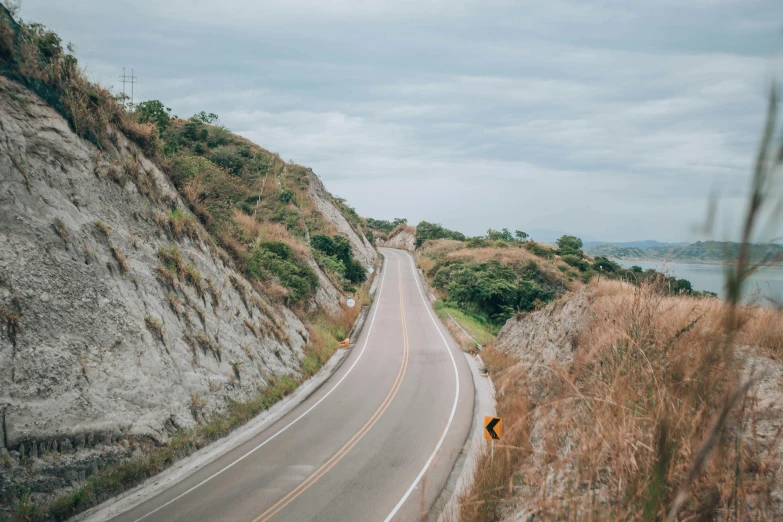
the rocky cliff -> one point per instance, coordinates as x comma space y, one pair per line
122, 318
404, 238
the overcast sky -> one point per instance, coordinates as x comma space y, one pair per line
610, 120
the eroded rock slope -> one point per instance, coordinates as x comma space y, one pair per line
117, 325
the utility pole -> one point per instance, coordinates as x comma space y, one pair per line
127, 80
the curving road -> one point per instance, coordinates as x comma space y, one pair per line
376, 442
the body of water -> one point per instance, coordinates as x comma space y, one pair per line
765, 284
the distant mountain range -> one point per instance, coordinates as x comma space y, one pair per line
648, 243
699, 252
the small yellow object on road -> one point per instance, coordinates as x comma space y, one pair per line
345, 342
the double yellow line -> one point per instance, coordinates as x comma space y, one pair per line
342, 452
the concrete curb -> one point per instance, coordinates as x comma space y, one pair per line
188, 465
461, 477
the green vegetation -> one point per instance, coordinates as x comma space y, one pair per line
228, 182
668, 285
385, 226
154, 111
34, 56
276, 259
426, 231
505, 235
479, 327
490, 288
338, 257
569, 245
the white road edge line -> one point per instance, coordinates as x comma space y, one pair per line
453, 408
311, 408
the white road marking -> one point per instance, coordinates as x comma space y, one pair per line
453, 408
311, 408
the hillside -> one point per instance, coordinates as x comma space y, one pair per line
158, 286
587, 389
586, 358
647, 243
699, 252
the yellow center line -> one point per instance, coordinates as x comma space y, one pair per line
337, 457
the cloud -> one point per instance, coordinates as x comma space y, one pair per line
601, 118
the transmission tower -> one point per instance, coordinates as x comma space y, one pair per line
132, 80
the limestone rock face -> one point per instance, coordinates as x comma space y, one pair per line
362, 249
100, 343
404, 239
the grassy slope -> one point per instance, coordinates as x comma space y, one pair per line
612, 432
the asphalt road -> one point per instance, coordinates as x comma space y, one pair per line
376, 442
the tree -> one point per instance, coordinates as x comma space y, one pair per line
425, 231
205, 117
153, 111
569, 245
605, 265
502, 235
521, 236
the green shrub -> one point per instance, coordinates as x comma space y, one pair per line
229, 158
386, 226
540, 251
606, 265
185, 168
339, 249
477, 242
425, 231
194, 131
569, 245
276, 259
576, 261
153, 111
289, 218
492, 288
217, 135
205, 117
285, 196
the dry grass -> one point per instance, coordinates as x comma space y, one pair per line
248, 224
102, 227
271, 231
121, 261
182, 225
61, 230
156, 328
764, 327
513, 256
613, 434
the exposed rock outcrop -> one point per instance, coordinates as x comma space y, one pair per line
404, 238
104, 338
363, 250
547, 337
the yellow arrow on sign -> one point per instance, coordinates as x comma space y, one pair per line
493, 428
